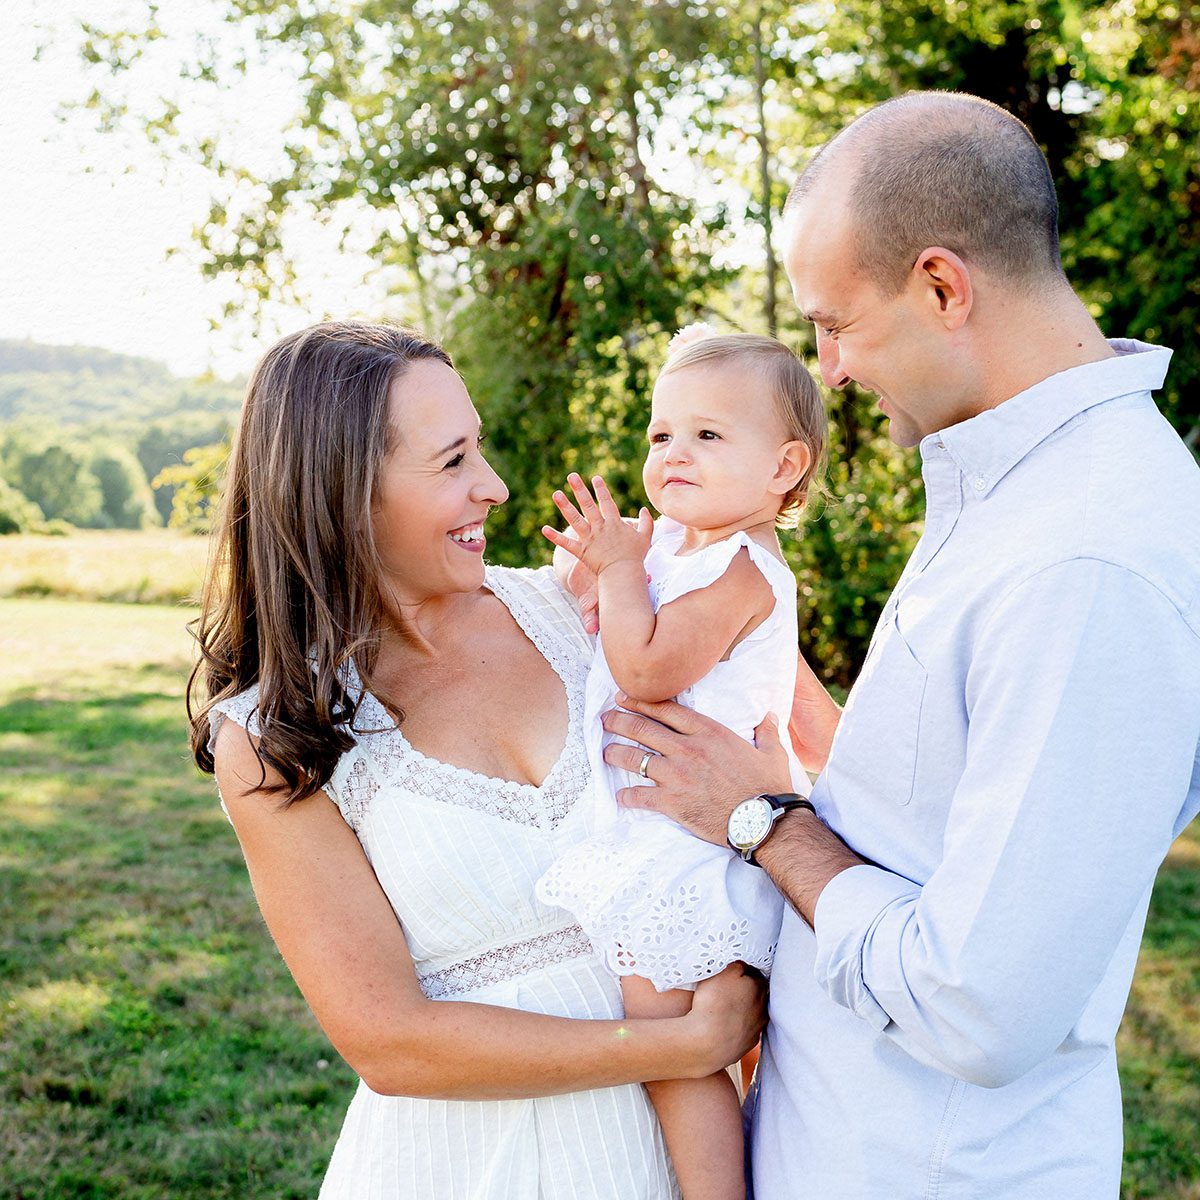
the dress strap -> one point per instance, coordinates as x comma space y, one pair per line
241, 709
546, 613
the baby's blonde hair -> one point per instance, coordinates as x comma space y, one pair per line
795, 392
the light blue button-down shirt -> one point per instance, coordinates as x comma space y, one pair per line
1017, 756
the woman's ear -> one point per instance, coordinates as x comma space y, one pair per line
795, 458
945, 283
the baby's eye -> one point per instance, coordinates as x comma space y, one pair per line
656, 438
707, 435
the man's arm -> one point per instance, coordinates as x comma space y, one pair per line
704, 770
1083, 701
1084, 704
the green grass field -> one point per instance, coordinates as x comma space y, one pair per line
153, 566
151, 1042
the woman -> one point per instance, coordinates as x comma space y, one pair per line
396, 732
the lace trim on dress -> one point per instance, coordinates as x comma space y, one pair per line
242, 709
394, 762
639, 927
355, 789
384, 758
505, 962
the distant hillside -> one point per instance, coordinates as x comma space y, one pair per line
80, 385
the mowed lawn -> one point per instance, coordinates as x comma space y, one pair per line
151, 1042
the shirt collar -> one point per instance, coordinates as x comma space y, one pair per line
986, 447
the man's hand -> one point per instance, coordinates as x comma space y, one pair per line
601, 538
701, 769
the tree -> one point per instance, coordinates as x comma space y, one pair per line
504, 146
163, 443
18, 514
126, 499
507, 154
196, 485
1111, 93
53, 472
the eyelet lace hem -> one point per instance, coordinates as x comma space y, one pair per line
673, 934
505, 962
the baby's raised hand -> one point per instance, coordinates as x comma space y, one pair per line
601, 538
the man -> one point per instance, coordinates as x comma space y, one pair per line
1021, 746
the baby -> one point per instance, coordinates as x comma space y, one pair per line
702, 607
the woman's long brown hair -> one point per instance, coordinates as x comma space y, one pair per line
292, 592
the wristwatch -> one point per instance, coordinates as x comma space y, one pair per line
750, 824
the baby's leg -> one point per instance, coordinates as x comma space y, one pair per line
701, 1118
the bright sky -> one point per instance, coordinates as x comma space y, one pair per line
89, 219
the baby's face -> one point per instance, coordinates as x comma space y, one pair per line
715, 444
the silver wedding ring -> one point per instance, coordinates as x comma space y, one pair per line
645, 763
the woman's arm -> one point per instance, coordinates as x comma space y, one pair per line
814, 718
342, 942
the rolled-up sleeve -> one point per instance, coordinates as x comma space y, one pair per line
1083, 707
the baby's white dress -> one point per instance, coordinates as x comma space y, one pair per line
458, 854
656, 901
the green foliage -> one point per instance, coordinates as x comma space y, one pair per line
53, 472
1112, 94
163, 443
80, 385
1135, 243
507, 157
91, 484
501, 146
197, 485
132, 416
17, 513
126, 500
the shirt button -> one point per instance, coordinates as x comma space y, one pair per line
979, 484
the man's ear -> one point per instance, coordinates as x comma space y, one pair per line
945, 284
795, 458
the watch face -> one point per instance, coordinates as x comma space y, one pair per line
749, 822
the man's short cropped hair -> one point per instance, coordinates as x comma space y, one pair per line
943, 169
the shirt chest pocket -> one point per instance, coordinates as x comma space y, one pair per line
874, 754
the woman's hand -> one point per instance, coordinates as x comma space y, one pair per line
601, 538
701, 769
583, 584
730, 1012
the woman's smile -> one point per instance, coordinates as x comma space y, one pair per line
469, 537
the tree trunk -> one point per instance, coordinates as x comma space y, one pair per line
764, 167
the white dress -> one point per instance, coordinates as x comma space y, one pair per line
656, 901
457, 854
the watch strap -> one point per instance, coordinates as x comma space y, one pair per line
783, 803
